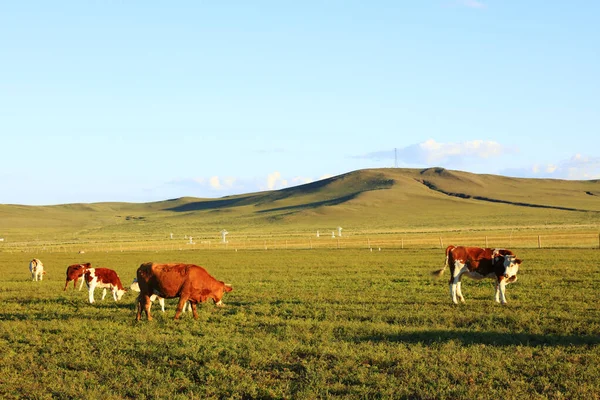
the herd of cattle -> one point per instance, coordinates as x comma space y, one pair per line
192, 284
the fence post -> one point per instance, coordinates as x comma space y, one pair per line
486, 242
539, 242
369, 241
402, 243
310, 243
441, 243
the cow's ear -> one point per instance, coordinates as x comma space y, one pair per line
518, 261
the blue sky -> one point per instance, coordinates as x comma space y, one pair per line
149, 100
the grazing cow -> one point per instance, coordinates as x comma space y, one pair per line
76, 271
37, 270
135, 286
186, 281
477, 263
106, 279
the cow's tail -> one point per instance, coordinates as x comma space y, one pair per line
440, 272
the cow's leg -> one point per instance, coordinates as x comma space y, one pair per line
103, 293
41, 276
194, 310
161, 301
80, 285
91, 287
180, 306
500, 291
144, 303
114, 293
66, 284
459, 290
455, 289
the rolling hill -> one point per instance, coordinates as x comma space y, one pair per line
366, 200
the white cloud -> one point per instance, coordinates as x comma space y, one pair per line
432, 153
216, 186
214, 182
578, 167
221, 183
275, 181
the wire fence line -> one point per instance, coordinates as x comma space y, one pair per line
370, 242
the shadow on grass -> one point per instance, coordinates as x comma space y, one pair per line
486, 338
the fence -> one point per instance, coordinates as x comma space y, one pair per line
371, 242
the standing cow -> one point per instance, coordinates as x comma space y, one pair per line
477, 263
37, 270
106, 279
74, 272
186, 281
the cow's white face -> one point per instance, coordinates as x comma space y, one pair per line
511, 266
135, 286
120, 294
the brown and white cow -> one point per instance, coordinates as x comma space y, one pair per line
106, 279
186, 281
477, 263
76, 271
135, 286
37, 270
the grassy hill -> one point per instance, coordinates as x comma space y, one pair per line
374, 200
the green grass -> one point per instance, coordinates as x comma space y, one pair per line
307, 324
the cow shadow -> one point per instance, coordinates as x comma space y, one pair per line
467, 338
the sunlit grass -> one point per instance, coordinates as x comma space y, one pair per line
307, 324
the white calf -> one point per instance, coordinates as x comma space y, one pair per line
37, 269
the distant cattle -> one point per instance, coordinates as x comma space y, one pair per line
477, 263
136, 288
106, 279
186, 281
76, 271
37, 270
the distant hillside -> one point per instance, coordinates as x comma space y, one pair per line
367, 200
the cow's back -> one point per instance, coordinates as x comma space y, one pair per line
104, 275
166, 279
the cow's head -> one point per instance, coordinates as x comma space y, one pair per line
135, 286
120, 293
218, 295
511, 267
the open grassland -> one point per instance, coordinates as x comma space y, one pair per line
307, 324
405, 203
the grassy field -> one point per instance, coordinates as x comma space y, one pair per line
321, 323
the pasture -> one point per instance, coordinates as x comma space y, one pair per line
321, 323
